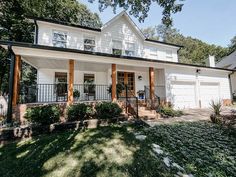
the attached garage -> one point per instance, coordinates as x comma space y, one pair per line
183, 94
209, 91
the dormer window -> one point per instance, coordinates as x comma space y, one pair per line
59, 39
169, 54
116, 47
89, 44
129, 49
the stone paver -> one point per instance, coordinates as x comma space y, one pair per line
190, 115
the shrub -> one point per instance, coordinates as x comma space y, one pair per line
107, 110
43, 115
216, 108
119, 88
77, 112
168, 111
76, 93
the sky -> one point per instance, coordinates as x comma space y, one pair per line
212, 21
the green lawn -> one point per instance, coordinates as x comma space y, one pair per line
114, 151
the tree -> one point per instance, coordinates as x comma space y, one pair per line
150, 33
140, 9
232, 45
15, 26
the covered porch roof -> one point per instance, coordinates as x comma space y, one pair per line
35, 54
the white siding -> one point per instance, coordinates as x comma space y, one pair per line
119, 29
212, 77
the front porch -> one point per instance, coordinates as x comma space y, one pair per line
58, 80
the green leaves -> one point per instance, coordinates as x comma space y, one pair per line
140, 9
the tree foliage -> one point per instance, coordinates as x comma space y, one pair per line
15, 26
194, 51
232, 45
140, 9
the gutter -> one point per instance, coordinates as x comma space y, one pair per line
51, 48
36, 32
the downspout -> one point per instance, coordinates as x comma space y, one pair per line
11, 81
36, 32
230, 84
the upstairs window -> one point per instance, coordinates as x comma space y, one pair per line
129, 49
169, 54
116, 47
153, 52
59, 39
89, 44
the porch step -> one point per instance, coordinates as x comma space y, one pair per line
146, 114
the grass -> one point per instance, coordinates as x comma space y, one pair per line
113, 151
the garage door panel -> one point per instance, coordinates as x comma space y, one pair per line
208, 92
183, 94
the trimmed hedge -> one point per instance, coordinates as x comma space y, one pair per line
78, 112
43, 115
107, 110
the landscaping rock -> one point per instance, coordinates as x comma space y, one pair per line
157, 149
166, 160
141, 137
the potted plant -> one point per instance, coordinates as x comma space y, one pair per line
76, 94
140, 94
119, 88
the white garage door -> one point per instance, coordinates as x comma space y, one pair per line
183, 94
208, 92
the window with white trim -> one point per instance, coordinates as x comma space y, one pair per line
116, 47
169, 54
59, 39
89, 44
153, 52
129, 49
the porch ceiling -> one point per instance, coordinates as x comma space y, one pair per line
46, 63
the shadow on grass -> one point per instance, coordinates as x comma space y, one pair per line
107, 151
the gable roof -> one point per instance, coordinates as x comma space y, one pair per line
122, 14
129, 20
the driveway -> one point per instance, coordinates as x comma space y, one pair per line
190, 115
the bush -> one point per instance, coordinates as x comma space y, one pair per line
77, 112
43, 115
168, 111
108, 110
216, 108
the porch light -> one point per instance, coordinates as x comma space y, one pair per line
140, 78
198, 71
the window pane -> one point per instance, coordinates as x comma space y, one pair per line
59, 39
89, 48
129, 53
89, 86
116, 52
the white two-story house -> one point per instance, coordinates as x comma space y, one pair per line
72, 59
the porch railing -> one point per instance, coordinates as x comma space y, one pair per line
43, 93
157, 98
131, 102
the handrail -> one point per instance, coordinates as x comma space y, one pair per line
147, 95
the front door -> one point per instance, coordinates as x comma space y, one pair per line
127, 78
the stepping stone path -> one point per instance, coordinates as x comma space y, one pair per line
158, 151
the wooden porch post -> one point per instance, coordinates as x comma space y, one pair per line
151, 83
113, 75
17, 76
71, 82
